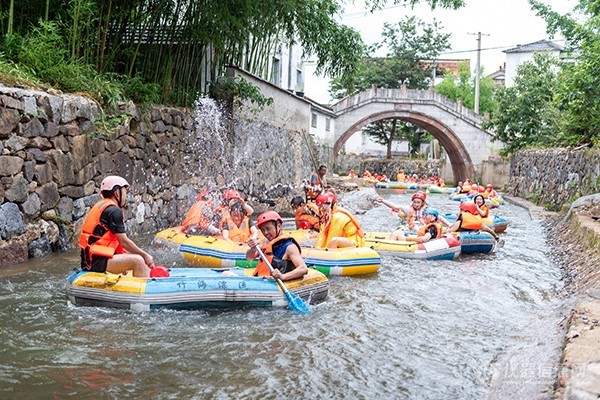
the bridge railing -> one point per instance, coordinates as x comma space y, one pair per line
406, 95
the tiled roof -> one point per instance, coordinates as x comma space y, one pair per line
540, 45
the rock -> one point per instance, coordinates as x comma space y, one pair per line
114, 146
86, 174
74, 192
13, 252
11, 221
98, 146
10, 102
64, 239
16, 143
48, 195
140, 210
10, 119
38, 155
51, 130
43, 173
18, 191
52, 106
71, 106
70, 129
41, 143
29, 170
80, 206
154, 185
30, 105
65, 209
10, 165
61, 143
105, 163
31, 207
39, 248
63, 163
89, 188
31, 129
124, 165
81, 151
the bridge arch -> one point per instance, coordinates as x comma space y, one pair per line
462, 165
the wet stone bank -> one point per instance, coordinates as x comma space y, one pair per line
56, 148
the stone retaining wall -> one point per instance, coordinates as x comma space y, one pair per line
53, 158
390, 167
554, 177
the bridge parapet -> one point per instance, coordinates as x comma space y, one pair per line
404, 95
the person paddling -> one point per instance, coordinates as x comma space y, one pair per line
283, 252
104, 244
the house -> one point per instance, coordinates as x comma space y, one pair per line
523, 53
499, 76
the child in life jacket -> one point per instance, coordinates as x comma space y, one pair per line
431, 230
307, 214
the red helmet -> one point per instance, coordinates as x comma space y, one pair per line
202, 195
489, 186
231, 194
474, 187
481, 189
419, 195
468, 207
325, 198
268, 216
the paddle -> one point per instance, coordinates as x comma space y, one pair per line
294, 301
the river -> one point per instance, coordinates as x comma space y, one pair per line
486, 326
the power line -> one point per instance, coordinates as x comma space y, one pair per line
492, 48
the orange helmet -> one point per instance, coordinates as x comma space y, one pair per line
231, 194
419, 195
268, 216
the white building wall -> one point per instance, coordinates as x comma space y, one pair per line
288, 68
322, 130
513, 60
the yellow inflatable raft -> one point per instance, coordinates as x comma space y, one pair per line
211, 252
445, 248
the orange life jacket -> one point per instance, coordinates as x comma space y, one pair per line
261, 268
438, 227
200, 214
106, 245
414, 216
309, 220
486, 209
238, 233
470, 222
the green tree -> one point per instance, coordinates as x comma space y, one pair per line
408, 44
464, 88
526, 115
386, 131
578, 91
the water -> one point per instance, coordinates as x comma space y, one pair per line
482, 327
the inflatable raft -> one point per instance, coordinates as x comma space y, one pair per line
211, 252
445, 248
498, 224
190, 288
472, 242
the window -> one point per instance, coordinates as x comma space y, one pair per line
327, 124
313, 120
276, 75
298, 78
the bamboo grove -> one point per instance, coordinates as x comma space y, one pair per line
182, 46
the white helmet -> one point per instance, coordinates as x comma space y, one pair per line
110, 182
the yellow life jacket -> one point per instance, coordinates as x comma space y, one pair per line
337, 227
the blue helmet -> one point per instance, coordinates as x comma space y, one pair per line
432, 211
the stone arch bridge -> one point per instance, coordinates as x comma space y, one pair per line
459, 130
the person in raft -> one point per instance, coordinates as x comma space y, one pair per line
339, 228
316, 185
413, 213
431, 230
282, 251
199, 217
221, 213
307, 215
470, 220
104, 244
482, 209
237, 227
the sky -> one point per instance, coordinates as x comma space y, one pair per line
507, 22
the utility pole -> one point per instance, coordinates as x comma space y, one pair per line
478, 70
